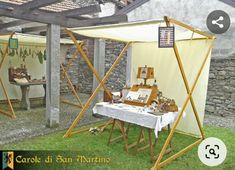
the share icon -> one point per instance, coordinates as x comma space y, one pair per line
218, 22
215, 22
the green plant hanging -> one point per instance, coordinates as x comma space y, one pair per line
40, 57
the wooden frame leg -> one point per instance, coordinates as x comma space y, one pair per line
124, 135
85, 57
72, 88
82, 112
107, 124
111, 131
141, 136
151, 148
12, 112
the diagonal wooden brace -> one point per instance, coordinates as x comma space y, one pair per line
71, 85
81, 114
85, 57
12, 114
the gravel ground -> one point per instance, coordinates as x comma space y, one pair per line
219, 121
32, 123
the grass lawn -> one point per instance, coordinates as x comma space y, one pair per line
96, 145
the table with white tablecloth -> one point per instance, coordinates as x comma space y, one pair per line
142, 116
136, 115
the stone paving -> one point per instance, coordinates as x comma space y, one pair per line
32, 123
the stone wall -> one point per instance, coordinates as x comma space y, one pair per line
79, 72
81, 75
117, 79
221, 87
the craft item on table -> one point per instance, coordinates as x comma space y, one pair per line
18, 73
116, 97
21, 81
125, 92
141, 95
163, 104
145, 73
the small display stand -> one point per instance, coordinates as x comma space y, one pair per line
141, 95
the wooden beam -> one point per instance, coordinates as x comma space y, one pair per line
109, 19
135, 4
42, 16
13, 24
34, 4
81, 11
33, 29
77, 36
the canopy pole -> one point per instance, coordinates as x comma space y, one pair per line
173, 21
85, 57
82, 112
12, 112
158, 163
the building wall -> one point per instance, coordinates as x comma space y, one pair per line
117, 80
79, 72
221, 88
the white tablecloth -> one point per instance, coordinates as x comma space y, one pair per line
136, 115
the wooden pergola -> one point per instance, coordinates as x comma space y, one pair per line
54, 16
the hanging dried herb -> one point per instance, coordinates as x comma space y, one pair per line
40, 57
45, 55
12, 52
26, 52
1, 52
21, 52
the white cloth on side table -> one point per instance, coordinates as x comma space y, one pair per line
136, 115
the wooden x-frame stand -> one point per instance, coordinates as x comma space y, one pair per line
159, 163
11, 113
141, 139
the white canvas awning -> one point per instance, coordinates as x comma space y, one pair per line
144, 31
25, 39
